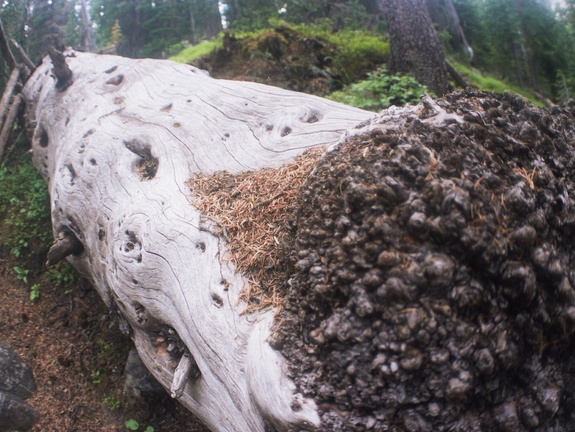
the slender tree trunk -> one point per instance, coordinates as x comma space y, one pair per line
192, 23
88, 39
443, 13
415, 47
213, 20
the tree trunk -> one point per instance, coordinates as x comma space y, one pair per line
117, 168
415, 47
424, 267
444, 14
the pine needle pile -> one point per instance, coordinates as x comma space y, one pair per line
254, 208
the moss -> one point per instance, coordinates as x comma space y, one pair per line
187, 55
489, 83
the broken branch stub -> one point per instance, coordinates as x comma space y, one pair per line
117, 152
60, 69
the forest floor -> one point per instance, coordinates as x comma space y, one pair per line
77, 355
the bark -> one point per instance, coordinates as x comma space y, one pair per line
415, 47
117, 147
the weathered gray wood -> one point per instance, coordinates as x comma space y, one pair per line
117, 147
25, 59
8, 93
9, 124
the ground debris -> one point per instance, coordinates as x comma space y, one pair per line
253, 207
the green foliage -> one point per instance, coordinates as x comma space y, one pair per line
22, 274
24, 208
112, 402
134, 426
489, 83
187, 55
96, 377
381, 90
35, 292
63, 275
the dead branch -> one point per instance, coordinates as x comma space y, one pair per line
9, 123
65, 245
8, 92
24, 55
457, 77
5, 48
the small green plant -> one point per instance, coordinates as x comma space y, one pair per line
134, 426
24, 208
96, 377
112, 402
381, 90
64, 275
22, 274
35, 292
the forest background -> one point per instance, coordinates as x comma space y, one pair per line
527, 43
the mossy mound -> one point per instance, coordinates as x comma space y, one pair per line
433, 284
287, 58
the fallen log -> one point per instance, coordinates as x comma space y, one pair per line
423, 265
117, 147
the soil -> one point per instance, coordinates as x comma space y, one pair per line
77, 355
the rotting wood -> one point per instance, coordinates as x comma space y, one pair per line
9, 124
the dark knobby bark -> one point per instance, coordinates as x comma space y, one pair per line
60, 69
415, 47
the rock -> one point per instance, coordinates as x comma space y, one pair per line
15, 414
16, 384
15, 376
137, 379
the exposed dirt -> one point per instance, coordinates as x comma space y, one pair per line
433, 286
77, 354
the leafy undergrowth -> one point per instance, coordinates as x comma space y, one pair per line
381, 90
